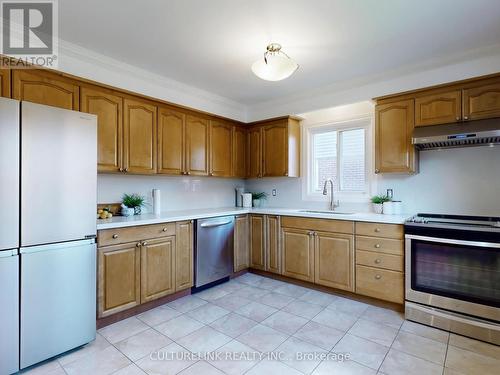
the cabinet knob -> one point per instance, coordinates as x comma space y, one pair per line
378, 277
377, 171
115, 236
191, 221
188, 173
165, 229
377, 246
144, 243
120, 169
138, 244
377, 230
310, 233
457, 118
211, 174
377, 261
126, 170
466, 117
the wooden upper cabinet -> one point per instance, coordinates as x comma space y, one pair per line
275, 149
157, 268
184, 256
438, 108
197, 145
298, 254
5, 83
273, 244
394, 123
109, 110
334, 260
139, 137
257, 242
239, 152
118, 275
254, 153
221, 148
47, 88
482, 101
171, 139
241, 237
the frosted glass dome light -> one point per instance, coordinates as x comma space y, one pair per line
275, 66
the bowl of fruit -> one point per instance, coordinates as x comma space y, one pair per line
104, 213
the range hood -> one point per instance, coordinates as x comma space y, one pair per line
463, 134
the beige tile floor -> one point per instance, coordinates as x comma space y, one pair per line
253, 314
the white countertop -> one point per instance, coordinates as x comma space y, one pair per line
170, 216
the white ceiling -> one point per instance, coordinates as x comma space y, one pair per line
211, 44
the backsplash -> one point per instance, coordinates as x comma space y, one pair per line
177, 192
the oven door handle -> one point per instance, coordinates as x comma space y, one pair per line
452, 241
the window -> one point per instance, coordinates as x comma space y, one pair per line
338, 152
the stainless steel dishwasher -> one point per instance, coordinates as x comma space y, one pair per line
214, 249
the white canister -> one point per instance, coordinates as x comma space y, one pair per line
393, 208
247, 200
239, 198
156, 201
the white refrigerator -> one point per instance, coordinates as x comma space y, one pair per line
56, 225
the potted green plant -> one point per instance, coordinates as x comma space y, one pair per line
257, 198
134, 201
378, 201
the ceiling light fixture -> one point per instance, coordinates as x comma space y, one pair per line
275, 66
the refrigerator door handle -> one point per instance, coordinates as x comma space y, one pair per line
61, 245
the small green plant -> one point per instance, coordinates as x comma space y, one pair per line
379, 199
133, 200
259, 195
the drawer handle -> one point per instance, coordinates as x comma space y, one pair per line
165, 229
378, 277
377, 246
377, 261
115, 236
377, 230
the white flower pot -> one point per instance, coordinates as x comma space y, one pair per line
378, 208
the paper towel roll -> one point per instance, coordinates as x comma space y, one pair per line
156, 201
247, 200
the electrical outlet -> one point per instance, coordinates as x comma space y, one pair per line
274, 192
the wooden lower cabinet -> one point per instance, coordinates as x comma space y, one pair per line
298, 254
5, 83
257, 242
119, 278
273, 244
241, 237
157, 268
184, 255
334, 260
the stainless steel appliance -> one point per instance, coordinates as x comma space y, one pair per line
52, 191
453, 274
214, 249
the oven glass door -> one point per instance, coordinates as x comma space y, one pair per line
460, 270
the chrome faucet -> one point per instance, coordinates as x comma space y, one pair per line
333, 204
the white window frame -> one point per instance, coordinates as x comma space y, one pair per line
308, 191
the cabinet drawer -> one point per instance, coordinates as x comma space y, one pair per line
322, 225
380, 230
142, 232
380, 260
381, 284
381, 245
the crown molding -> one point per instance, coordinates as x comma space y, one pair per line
85, 63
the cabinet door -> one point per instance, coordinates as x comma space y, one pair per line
221, 148
41, 87
118, 278
5, 83
257, 242
140, 137
481, 102
435, 109
275, 150
334, 260
197, 142
239, 152
241, 256
254, 153
157, 268
298, 254
393, 130
273, 244
171, 136
109, 111
184, 255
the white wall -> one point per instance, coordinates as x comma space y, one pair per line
177, 192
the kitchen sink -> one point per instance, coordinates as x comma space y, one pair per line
326, 212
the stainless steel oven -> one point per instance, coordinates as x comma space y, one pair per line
453, 274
